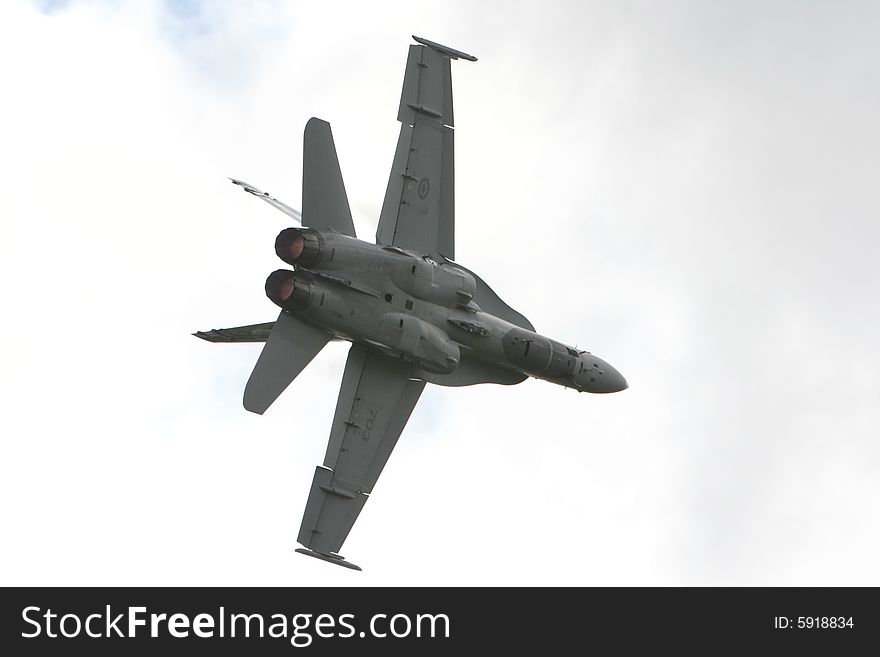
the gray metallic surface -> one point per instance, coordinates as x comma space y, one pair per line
419, 208
324, 203
329, 514
431, 315
291, 346
375, 401
427, 87
471, 372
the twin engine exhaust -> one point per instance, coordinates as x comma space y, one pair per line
297, 247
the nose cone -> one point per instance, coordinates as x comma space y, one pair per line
601, 377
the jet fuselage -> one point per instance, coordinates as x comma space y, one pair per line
421, 309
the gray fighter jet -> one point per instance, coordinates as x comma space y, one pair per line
412, 314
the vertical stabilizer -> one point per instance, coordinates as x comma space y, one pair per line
325, 203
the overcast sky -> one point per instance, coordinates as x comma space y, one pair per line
687, 189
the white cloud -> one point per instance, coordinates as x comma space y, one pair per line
687, 191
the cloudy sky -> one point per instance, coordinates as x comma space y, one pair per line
687, 189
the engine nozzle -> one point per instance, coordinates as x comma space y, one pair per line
296, 246
288, 291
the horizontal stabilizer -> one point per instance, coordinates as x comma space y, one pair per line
291, 346
251, 333
330, 558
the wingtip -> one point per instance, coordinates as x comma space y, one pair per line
452, 53
248, 406
330, 558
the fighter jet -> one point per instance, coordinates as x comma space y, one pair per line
411, 313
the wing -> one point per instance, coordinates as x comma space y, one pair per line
291, 345
250, 333
419, 208
271, 200
375, 401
